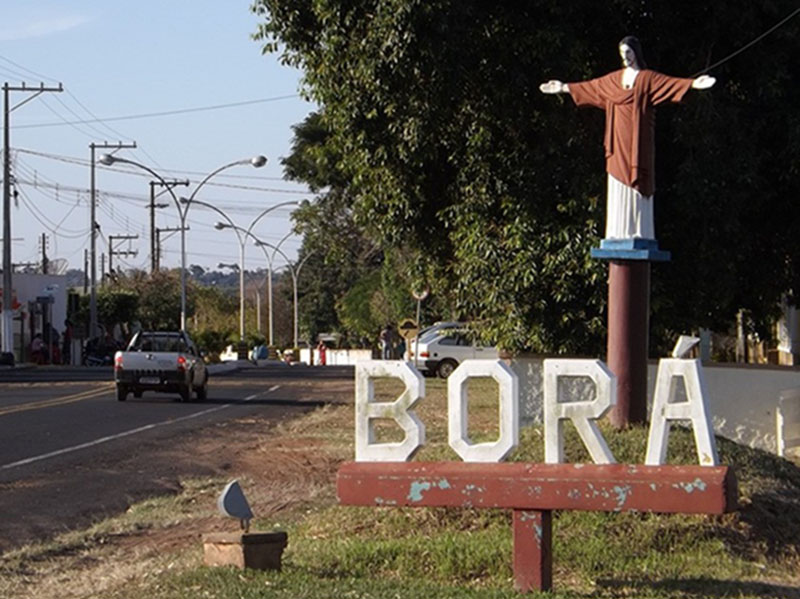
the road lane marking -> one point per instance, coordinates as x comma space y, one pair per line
121, 435
57, 401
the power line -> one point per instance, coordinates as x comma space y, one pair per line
159, 114
94, 117
746, 46
19, 66
83, 162
44, 220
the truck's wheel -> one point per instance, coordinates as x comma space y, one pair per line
446, 368
186, 393
202, 391
122, 392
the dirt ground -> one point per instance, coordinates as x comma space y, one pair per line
281, 464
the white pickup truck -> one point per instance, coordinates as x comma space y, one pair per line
160, 361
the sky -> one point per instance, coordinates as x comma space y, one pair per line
146, 72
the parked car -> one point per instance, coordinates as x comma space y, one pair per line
441, 352
160, 361
430, 332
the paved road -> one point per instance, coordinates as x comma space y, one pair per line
70, 453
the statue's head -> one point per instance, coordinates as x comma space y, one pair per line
630, 50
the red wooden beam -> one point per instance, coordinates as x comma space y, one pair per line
611, 488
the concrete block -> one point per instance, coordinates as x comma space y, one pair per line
255, 550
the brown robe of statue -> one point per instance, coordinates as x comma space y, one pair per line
630, 121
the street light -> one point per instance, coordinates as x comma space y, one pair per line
241, 235
269, 280
255, 161
294, 271
108, 160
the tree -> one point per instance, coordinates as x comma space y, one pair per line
116, 306
449, 150
342, 257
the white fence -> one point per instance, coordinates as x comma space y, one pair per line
336, 357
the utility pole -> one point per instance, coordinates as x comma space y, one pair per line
158, 242
173, 183
112, 251
93, 228
45, 262
7, 315
85, 271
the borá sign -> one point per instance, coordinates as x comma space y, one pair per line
382, 474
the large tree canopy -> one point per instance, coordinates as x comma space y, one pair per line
449, 149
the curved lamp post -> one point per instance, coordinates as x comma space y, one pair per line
241, 235
293, 270
256, 161
270, 260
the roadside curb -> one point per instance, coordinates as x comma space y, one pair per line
223, 367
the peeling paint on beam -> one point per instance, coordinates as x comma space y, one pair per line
607, 487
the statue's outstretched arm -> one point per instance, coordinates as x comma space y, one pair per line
703, 82
554, 86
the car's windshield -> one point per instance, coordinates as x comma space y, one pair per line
160, 343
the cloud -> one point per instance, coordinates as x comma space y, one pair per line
41, 27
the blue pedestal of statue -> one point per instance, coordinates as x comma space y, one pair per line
629, 321
630, 249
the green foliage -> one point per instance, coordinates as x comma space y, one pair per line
356, 307
378, 298
116, 306
210, 339
444, 145
160, 303
215, 317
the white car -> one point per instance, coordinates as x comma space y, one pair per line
440, 352
429, 333
168, 362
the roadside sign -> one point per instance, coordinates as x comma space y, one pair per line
408, 328
419, 295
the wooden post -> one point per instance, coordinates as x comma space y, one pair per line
533, 550
628, 324
628, 321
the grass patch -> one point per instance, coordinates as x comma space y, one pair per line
344, 551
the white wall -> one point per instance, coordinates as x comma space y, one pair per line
742, 398
27, 287
337, 357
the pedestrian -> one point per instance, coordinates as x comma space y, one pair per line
38, 349
66, 343
387, 342
322, 350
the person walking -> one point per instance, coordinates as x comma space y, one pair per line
322, 349
66, 343
386, 338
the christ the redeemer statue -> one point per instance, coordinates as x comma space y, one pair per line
629, 97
